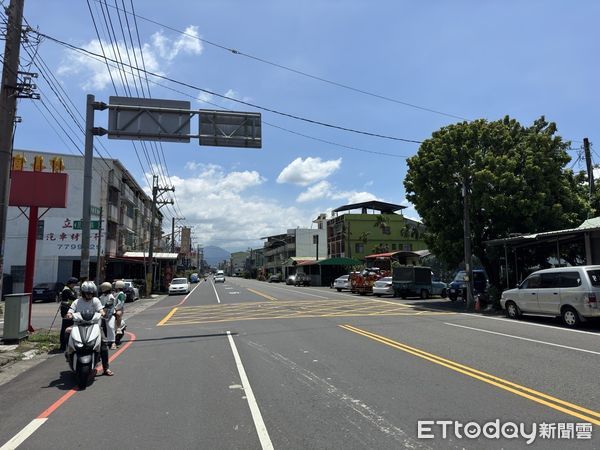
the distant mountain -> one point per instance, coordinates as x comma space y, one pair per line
214, 255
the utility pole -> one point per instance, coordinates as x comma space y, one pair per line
467, 239
173, 220
8, 107
99, 243
156, 191
590, 167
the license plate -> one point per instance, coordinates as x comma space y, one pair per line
39, 292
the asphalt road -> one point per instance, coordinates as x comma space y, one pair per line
248, 364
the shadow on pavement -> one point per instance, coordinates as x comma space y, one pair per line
181, 337
65, 382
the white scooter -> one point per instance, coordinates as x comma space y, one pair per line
83, 349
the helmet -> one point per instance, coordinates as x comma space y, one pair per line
72, 280
105, 287
119, 284
89, 287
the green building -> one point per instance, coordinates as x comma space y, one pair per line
367, 228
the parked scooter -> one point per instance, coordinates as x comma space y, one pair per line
83, 349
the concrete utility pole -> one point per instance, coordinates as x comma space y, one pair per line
173, 220
8, 107
589, 165
467, 239
156, 191
99, 243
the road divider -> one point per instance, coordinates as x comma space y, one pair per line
539, 397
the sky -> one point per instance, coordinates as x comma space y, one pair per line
393, 68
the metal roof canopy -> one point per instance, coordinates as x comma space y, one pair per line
373, 204
230, 129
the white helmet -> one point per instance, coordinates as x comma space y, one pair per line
105, 287
89, 287
119, 284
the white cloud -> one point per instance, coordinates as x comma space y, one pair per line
223, 211
324, 189
157, 56
320, 190
307, 171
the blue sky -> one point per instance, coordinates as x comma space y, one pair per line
470, 59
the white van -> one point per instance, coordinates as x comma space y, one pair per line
569, 292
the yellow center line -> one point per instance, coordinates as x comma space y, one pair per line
531, 394
167, 317
268, 297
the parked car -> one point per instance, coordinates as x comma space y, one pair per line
220, 278
342, 282
275, 278
302, 279
291, 279
412, 281
458, 285
567, 292
383, 286
439, 288
47, 292
179, 286
132, 293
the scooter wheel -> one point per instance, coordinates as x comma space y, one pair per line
83, 376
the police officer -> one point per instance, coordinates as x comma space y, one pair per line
67, 296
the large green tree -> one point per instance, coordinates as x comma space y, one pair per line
517, 180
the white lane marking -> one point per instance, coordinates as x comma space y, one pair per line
20, 437
554, 327
215, 288
523, 338
261, 429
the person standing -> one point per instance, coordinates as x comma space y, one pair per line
108, 321
119, 306
67, 297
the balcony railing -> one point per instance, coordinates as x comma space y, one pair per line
113, 213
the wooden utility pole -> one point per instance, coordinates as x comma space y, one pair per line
8, 107
590, 167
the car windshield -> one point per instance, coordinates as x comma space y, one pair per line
179, 281
343, 277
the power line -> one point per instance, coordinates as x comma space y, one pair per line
296, 71
252, 105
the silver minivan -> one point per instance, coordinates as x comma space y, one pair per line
568, 292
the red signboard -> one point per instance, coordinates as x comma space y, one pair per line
43, 189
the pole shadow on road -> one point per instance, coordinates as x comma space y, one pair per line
184, 337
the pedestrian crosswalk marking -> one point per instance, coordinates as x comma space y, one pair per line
291, 310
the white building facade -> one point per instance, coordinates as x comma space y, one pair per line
124, 225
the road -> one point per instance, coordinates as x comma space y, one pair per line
253, 365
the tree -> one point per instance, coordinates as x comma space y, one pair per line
517, 181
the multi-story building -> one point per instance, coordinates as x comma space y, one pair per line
361, 229
120, 224
238, 262
281, 250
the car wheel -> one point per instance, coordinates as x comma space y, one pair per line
444, 293
338, 289
512, 310
377, 295
570, 317
424, 294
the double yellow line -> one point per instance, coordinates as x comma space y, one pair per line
522, 391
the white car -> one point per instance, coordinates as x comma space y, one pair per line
219, 278
342, 282
136, 291
179, 286
383, 286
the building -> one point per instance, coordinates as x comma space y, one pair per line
361, 229
282, 251
120, 224
238, 262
